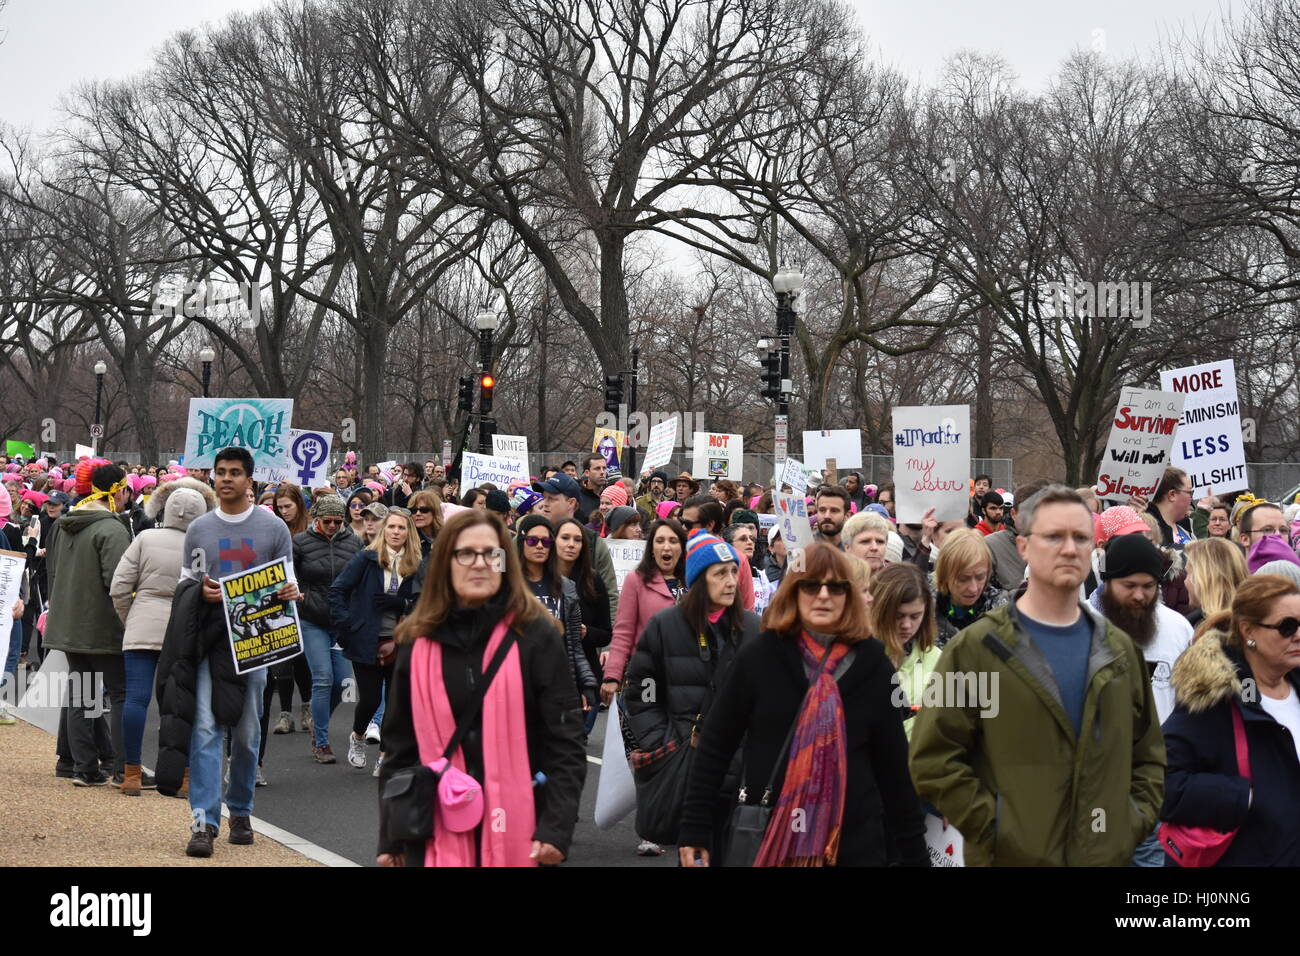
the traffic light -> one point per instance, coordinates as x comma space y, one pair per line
465, 401
613, 392
771, 376
485, 383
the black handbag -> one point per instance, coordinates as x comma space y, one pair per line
749, 822
410, 794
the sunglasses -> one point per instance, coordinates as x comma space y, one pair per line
423, 511
836, 586
535, 542
1286, 627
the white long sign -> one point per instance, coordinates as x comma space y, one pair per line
1208, 444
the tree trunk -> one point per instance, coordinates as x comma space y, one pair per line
374, 350
612, 346
542, 438
984, 387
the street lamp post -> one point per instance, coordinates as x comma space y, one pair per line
100, 369
486, 321
786, 284
206, 356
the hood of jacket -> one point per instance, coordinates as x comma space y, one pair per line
183, 506
1206, 674
157, 503
74, 522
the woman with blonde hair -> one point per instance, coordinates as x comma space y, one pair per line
367, 600
963, 588
866, 535
1215, 569
902, 619
860, 574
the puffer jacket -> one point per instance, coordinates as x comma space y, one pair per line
671, 677
81, 560
1202, 787
146, 577
318, 560
1008, 770
196, 630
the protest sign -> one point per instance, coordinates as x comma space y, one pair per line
263, 629
14, 448
616, 791
84, 451
663, 438
12, 564
609, 443
1141, 436
626, 555
386, 467
944, 843
931, 462
792, 516
796, 474
766, 523
260, 425
1207, 443
477, 469
718, 455
844, 445
511, 446
309, 457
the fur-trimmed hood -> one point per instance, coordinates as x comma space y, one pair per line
158, 500
1205, 675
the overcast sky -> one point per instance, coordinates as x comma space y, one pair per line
50, 45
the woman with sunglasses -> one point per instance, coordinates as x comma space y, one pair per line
535, 540
573, 561
320, 555
1240, 680
357, 502
426, 509
685, 655
810, 703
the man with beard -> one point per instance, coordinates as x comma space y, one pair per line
992, 506
832, 504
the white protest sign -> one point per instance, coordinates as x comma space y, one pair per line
663, 438
309, 456
792, 516
931, 462
386, 467
843, 445
260, 425
1141, 435
84, 451
477, 469
12, 564
945, 844
1207, 442
510, 446
626, 555
616, 791
794, 473
718, 455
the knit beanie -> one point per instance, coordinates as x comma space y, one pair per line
704, 549
665, 508
745, 516
1120, 520
498, 502
615, 494
329, 506
619, 517
1287, 569
1132, 554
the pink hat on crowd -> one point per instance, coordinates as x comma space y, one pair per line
70, 485
11, 468
133, 482
36, 498
665, 508
56, 473
167, 476
374, 486
1120, 520
616, 494
6, 506
753, 502
148, 481
449, 509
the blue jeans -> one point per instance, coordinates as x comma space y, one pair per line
15, 649
1149, 852
329, 668
378, 719
140, 667
205, 752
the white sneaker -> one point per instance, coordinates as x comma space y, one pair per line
357, 751
7, 718
372, 733
378, 762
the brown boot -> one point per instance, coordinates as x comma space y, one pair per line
184, 791
131, 780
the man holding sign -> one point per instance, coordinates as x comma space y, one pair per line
237, 537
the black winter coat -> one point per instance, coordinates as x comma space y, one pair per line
571, 616
354, 598
195, 630
318, 560
552, 714
670, 676
883, 820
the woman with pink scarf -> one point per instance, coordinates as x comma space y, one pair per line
524, 747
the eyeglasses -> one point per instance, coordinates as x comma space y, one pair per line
836, 586
355, 505
468, 557
1267, 530
1057, 539
535, 542
423, 511
1286, 627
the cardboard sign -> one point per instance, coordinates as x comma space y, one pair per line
1207, 443
718, 455
626, 555
946, 846
260, 425
309, 454
794, 473
263, 629
477, 469
844, 445
84, 451
616, 790
792, 516
12, 564
609, 442
1141, 436
511, 446
386, 467
931, 462
663, 438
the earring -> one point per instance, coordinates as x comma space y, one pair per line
1251, 645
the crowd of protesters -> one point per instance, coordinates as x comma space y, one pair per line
1138, 659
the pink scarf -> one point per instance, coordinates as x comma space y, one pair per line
508, 811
